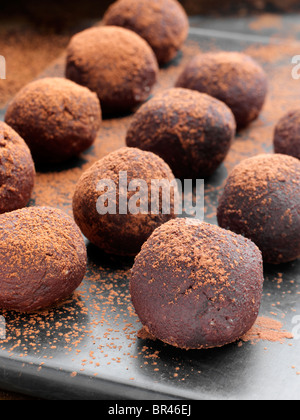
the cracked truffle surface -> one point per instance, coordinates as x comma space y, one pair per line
287, 135
57, 118
43, 258
162, 23
17, 171
122, 233
191, 131
114, 62
261, 200
195, 285
231, 77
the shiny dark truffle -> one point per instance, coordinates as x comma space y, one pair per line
287, 135
197, 286
231, 77
43, 258
57, 118
162, 23
261, 201
191, 131
117, 230
17, 171
114, 62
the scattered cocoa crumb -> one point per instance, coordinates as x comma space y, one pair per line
144, 334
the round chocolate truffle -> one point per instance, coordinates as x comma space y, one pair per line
114, 62
261, 201
197, 286
191, 131
231, 77
162, 23
43, 258
118, 203
57, 118
17, 171
287, 135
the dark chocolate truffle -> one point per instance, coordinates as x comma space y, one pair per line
261, 201
191, 131
57, 118
118, 229
162, 23
287, 135
17, 172
43, 258
231, 77
197, 286
114, 62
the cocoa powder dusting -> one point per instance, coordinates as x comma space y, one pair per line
101, 312
266, 21
267, 329
27, 54
122, 75
163, 24
57, 118
144, 334
196, 127
232, 77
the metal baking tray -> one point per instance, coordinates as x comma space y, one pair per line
88, 348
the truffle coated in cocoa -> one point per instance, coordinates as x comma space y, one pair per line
197, 286
231, 77
162, 23
17, 171
287, 135
121, 234
57, 118
43, 258
114, 62
191, 131
261, 200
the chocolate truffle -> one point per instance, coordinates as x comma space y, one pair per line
120, 228
287, 135
191, 131
261, 201
197, 286
57, 118
43, 258
162, 23
231, 77
17, 172
116, 63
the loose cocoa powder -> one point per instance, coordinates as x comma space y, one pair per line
27, 54
267, 329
